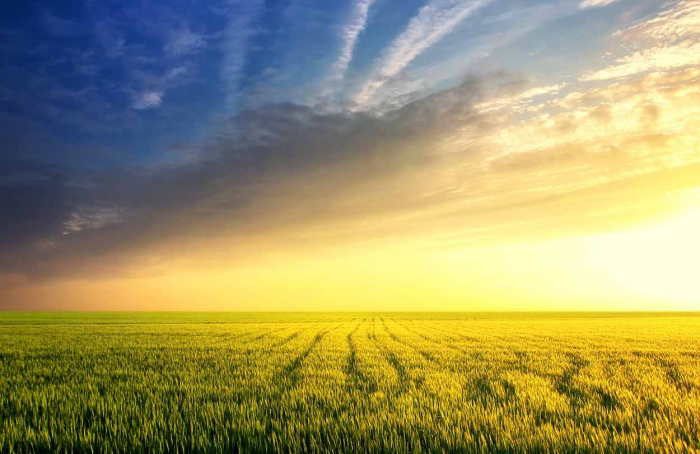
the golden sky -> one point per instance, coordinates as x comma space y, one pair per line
494, 187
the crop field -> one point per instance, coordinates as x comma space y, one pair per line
350, 383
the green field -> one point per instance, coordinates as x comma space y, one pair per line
393, 382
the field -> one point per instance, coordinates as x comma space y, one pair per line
350, 383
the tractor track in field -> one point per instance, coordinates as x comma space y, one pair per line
397, 365
437, 331
373, 334
404, 377
565, 385
356, 378
519, 364
245, 338
291, 371
454, 335
264, 335
462, 352
428, 338
426, 355
290, 337
393, 359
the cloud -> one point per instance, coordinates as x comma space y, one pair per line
148, 100
660, 58
58, 26
112, 40
667, 41
523, 100
183, 41
350, 34
464, 53
92, 218
291, 170
237, 35
150, 87
286, 178
432, 23
37, 198
595, 3
610, 115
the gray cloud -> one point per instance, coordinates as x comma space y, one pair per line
276, 168
288, 178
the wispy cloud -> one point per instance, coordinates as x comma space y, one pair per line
433, 22
92, 218
667, 41
350, 34
58, 26
595, 3
657, 58
238, 33
521, 101
111, 39
183, 41
467, 53
150, 87
148, 100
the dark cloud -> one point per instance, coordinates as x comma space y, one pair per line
34, 199
274, 168
285, 175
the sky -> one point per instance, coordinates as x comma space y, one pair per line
463, 155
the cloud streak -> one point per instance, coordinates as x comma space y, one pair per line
586, 4
183, 41
149, 100
237, 35
667, 41
432, 23
350, 34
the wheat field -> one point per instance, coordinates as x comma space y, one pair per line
350, 383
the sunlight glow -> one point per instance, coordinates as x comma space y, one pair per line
657, 262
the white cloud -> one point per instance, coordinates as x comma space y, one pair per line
679, 21
183, 41
461, 56
595, 3
350, 33
433, 22
175, 73
654, 59
148, 100
237, 36
665, 42
537, 91
521, 101
92, 219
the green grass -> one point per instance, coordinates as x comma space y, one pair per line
394, 382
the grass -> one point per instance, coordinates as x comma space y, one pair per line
395, 382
